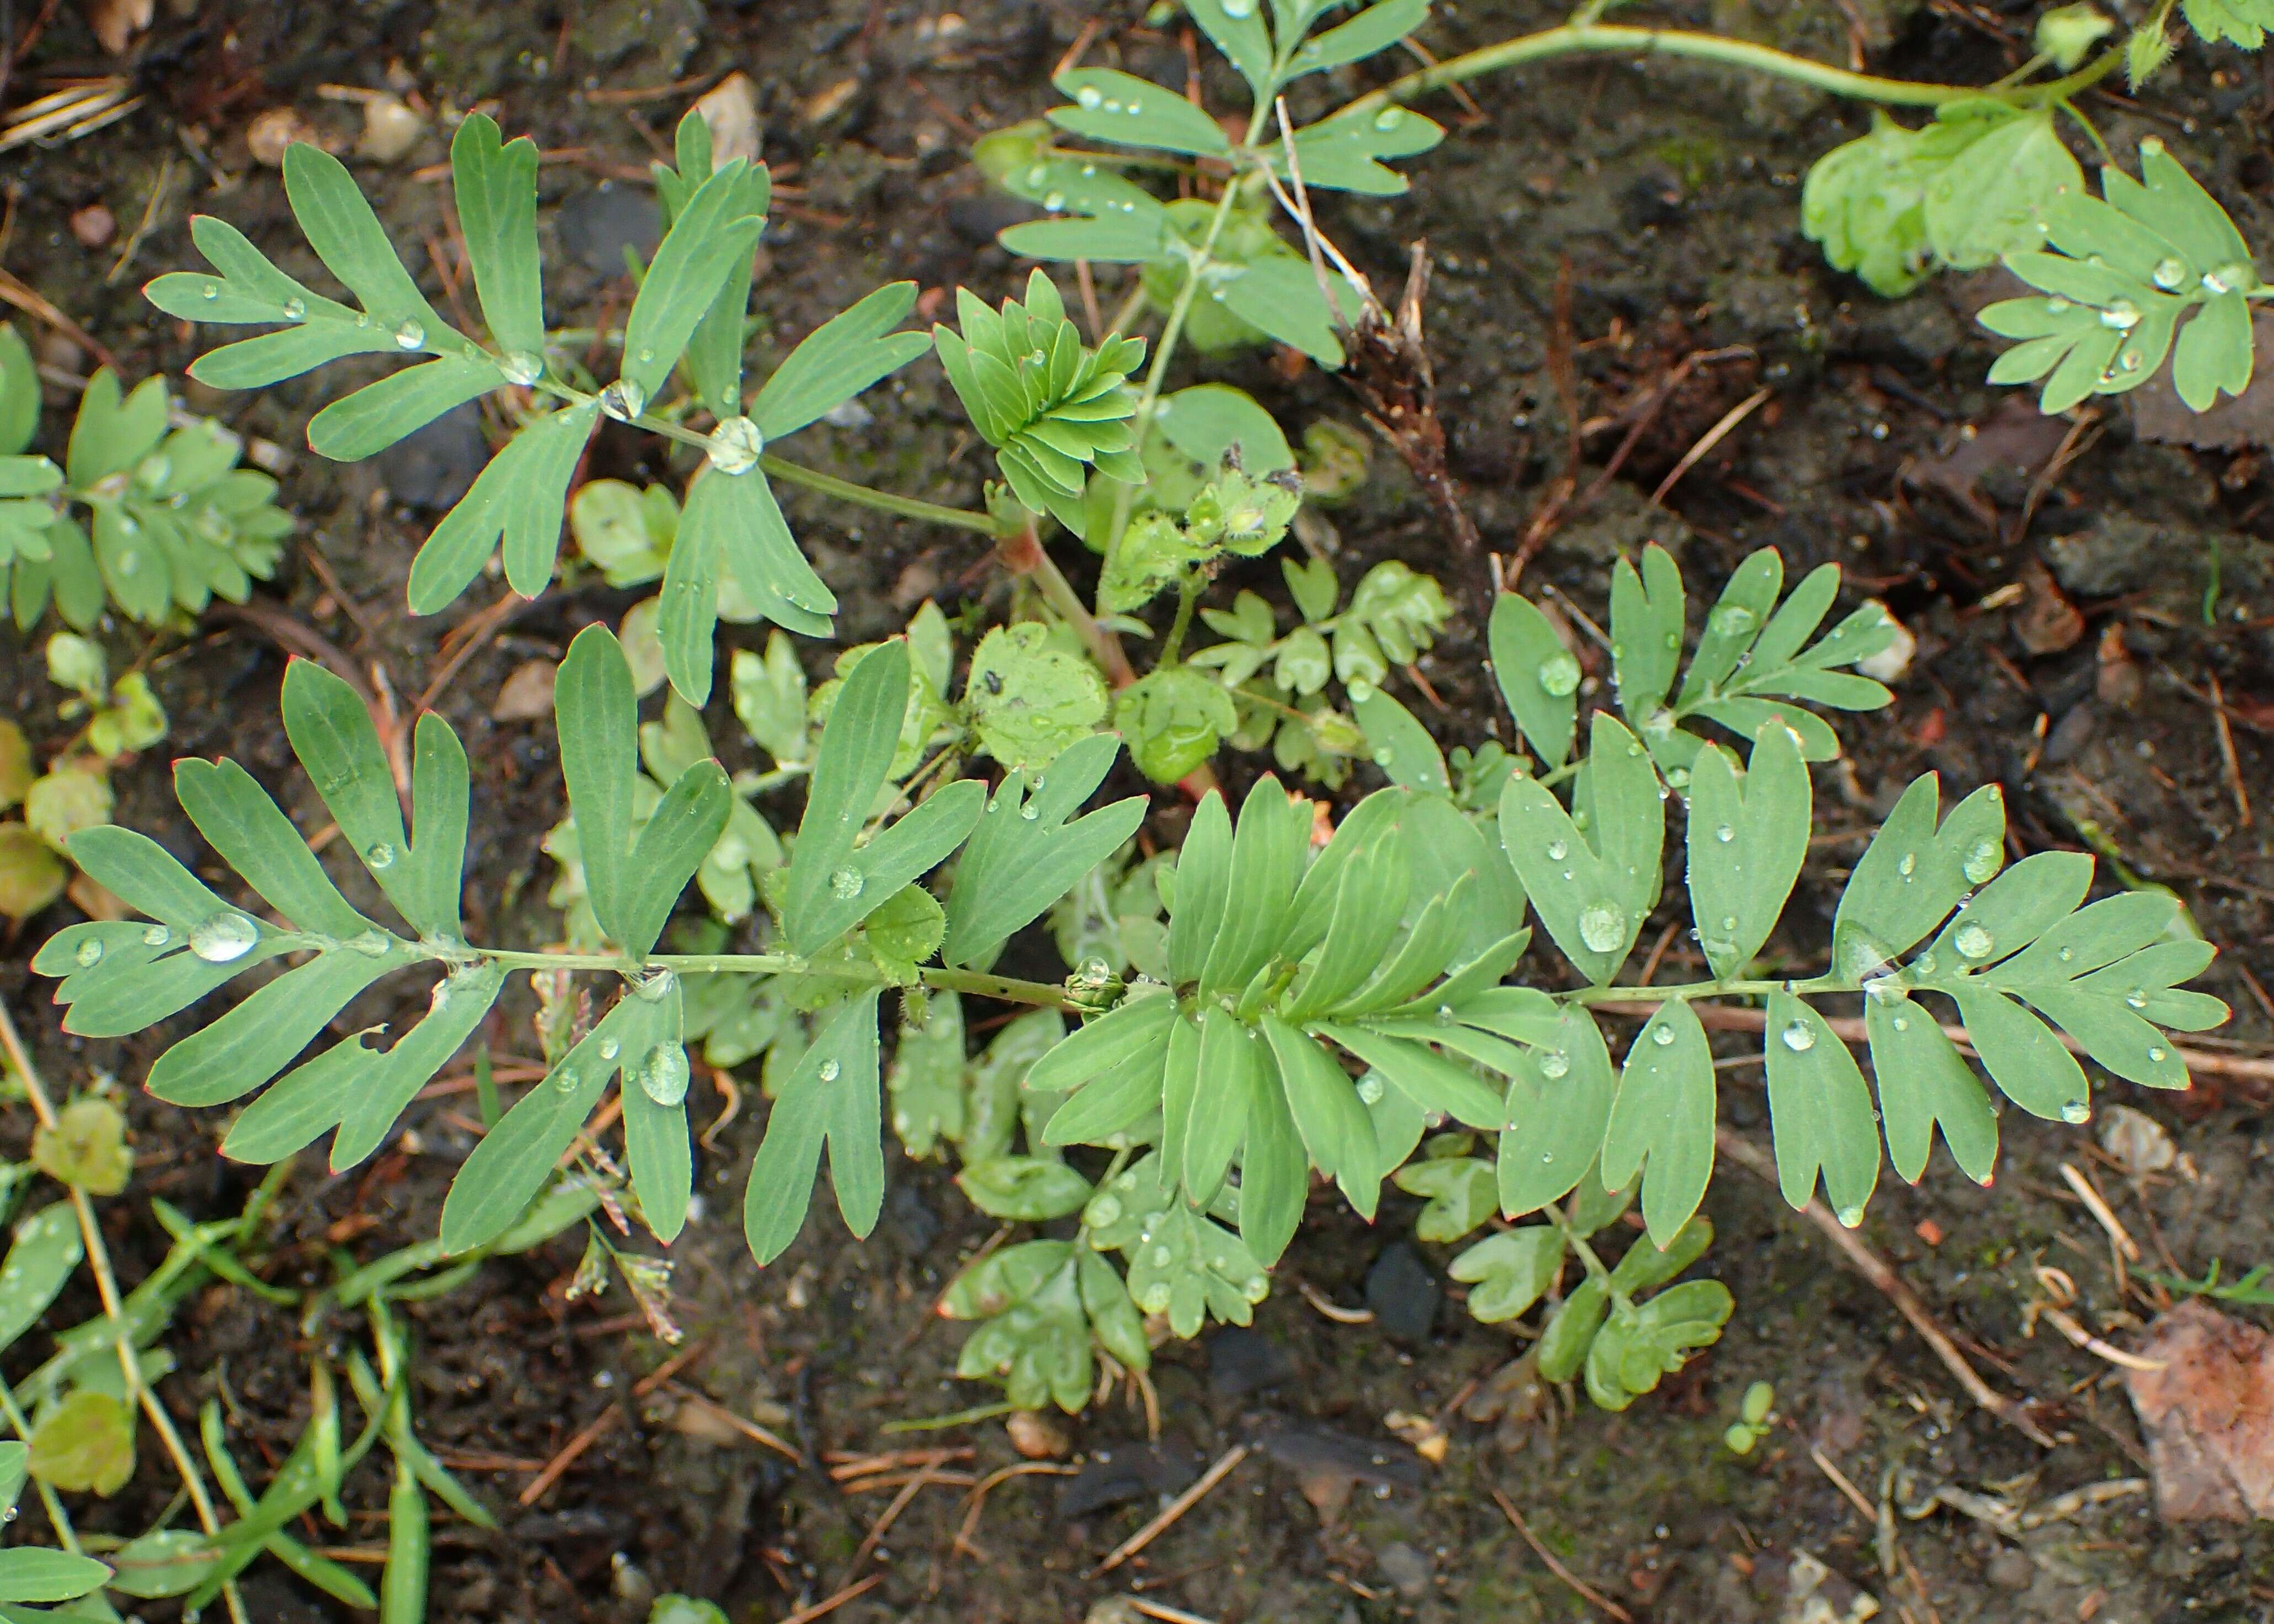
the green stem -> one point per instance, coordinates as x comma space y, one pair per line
1171, 330
883, 501
1687, 991
797, 473
1618, 39
1007, 989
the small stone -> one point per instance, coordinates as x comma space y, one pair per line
390, 129
1406, 1570
271, 132
1037, 1436
1403, 1293
92, 226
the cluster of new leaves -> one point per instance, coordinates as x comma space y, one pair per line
1277, 686
1387, 949
1959, 193
173, 522
2151, 269
119, 718
1052, 406
690, 308
1257, 285
1754, 663
1605, 1328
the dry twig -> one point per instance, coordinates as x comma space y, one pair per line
1586, 1590
1876, 1269
1175, 1510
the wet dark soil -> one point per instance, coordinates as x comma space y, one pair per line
2078, 593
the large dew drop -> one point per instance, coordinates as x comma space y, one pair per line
1555, 1063
1798, 1036
1558, 675
735, 444
90, 951
830, 1071
846, 884
623, 400
663, 1075
2076, 1111
1104, 1212
1983, 861
1603, 926
224, 938
1973, 942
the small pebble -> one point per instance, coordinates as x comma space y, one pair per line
94, 226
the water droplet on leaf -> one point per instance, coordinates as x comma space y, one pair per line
663, 1075
734, 445
1798, 1036
223, 938
846, 884
1558, 675
1983, 861
90, 951
1973, 942
623, 400
830, 1071
1603, 926
410, 336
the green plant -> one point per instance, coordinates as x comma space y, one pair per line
1755, 1416
1258, 1008
77, 1415
1318, 1007
173, 522
74, 792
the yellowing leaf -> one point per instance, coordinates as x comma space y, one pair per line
86, 1445
86, 1148
1031, 701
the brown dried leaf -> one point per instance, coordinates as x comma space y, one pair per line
527, 695
2209, 1414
